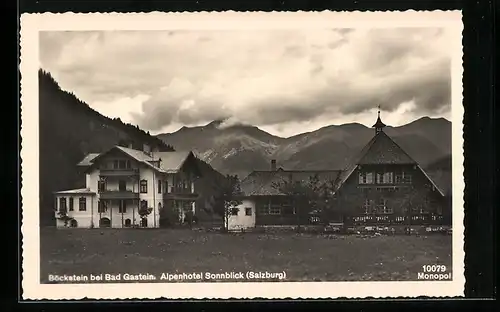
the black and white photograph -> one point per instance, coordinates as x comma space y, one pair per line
218, 156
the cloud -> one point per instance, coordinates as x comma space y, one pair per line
264, 78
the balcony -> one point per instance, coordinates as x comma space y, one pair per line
119, 172
118, 194
180, 193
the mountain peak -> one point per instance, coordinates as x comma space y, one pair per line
216, 123
427, 119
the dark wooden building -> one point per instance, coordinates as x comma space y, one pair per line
382, 185
385, 185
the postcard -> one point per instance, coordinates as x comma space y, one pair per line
217, 155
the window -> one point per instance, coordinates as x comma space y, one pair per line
62, 205
403, 178
263, 209
389, 177
128, 222
367, 205
82, 204
382, 207
384, 178
275, 210
365, 178
122, 185
105, 223
159, 186
234, 211
122, 208
101, 185
166, 186
128, 164
144, 186
102, 206
71, 204
248, 211
122, 164
115, 164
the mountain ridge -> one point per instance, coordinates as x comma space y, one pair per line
348, 124
241, 149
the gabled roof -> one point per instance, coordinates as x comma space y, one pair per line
81, 191
136, 154
382, 150
139, 156
443, 180
255, 181
87, 160
353, 164
431, 180
262, 183
170, 161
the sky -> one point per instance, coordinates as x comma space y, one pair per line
283, 81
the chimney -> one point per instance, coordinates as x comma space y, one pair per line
273, 165
130, 145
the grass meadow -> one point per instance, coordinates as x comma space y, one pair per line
304, 257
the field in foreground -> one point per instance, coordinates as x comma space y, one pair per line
304, 257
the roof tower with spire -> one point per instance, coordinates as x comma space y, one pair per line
379, 125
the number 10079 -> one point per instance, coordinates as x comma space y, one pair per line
434, 268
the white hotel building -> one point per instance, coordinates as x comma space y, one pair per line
123, 182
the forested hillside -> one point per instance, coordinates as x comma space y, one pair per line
69, 129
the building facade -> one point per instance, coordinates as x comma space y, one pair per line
386, 186
127, 188
382, 185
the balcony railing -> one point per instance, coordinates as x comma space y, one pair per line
418, 219
181, 192
118, 172
107, 194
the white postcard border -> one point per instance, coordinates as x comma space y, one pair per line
31, 24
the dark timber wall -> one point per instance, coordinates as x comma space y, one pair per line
417, 202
